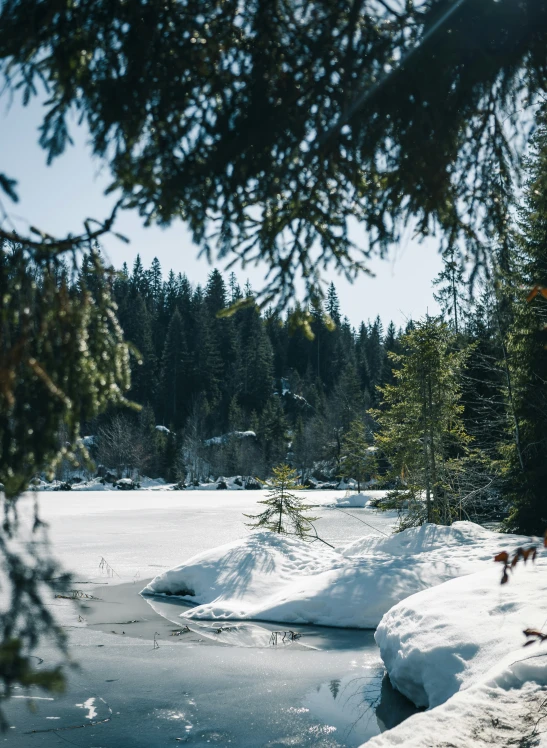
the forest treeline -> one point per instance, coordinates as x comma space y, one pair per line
236, 395
452, 408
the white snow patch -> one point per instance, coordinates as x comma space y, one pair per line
226, 437
445, 639
508, 707
277, 578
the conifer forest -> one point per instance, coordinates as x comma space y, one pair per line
453, 405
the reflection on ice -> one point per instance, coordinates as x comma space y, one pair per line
90, 706
259, 633
359, 706
350, 709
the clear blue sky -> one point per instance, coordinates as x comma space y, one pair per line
58, 198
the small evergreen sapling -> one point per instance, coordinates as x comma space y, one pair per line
284, 511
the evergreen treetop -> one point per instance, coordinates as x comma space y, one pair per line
285, 512
271, 127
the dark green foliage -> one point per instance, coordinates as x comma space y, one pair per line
451, 285
269, 127
62, 359
358, 458
421, 429
62, 362
174, 373
246, 372
285, 512
527, 352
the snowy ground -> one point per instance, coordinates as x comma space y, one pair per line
450, 635
329, 691
458, 649
277, 578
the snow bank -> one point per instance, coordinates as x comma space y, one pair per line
347, 500
356, 500
445, 639
504, 709
272, 577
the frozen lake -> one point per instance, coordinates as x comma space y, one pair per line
200, 688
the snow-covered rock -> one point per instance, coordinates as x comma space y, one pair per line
232, 435
273, 577
127, 484
357, 500
445, 639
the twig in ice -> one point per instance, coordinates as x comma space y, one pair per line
104, 566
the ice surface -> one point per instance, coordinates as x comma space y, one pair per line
203, 695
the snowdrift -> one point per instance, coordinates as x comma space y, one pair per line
504, 709
458, 650
277, 578
445, 639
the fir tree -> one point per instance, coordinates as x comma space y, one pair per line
374, 356
174, 373
450, 296
527, 352
138, 330
391, 345
421, 427
272, 431
155, 283
138, 282
284, 511
332, 304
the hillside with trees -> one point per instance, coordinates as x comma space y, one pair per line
236, 394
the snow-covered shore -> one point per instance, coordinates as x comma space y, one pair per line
458, 651
277, 578
322, 492
449, 634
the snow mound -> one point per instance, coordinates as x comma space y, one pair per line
244, 579
364, 499
504, 709
275, 578
445, 639
466, 539
357, 500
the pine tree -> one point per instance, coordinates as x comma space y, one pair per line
174, 373
137, 324
235, 290
451, 283
527, 352
421, 427
155, 282
358, 459
391, 345
332, 305
272, 432
138, 281
284, 511
374, 356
